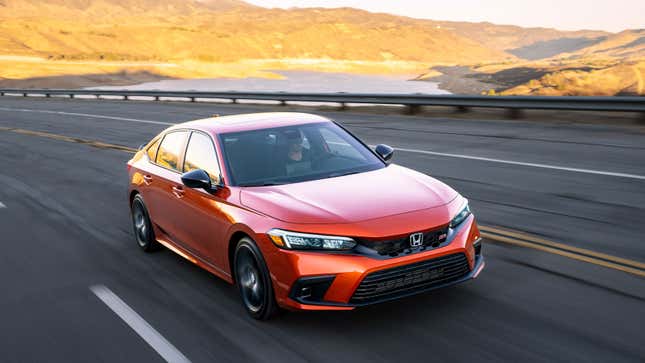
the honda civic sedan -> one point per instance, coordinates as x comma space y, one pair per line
299, 213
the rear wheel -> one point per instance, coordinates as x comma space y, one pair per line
253, 281
143, 232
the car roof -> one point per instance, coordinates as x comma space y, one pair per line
250, 121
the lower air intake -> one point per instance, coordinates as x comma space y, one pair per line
411, 278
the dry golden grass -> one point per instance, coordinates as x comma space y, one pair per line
622, 78
628, 44
338, 34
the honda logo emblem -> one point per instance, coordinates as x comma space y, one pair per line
416, 239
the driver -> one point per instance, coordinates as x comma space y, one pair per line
297, 157
295, 150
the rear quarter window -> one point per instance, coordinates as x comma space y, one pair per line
152, 150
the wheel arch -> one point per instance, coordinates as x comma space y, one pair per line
133, 193
232, 244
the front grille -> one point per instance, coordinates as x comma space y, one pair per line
408, 279
431, 239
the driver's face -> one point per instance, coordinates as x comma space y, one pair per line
295, 151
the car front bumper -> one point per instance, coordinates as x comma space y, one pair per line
307, 304
331, 281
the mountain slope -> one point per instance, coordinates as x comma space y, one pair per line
111, 9
629, 44
217, 30
622, 78
527, 43
139, 39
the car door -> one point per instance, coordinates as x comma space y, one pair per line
203, 214
165, 189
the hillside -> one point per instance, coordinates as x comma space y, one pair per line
580, 63
627, 44
527, 43
614, 65
91, 42
102, 10
624, 78
222, 32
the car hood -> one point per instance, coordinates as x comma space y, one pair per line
352, 198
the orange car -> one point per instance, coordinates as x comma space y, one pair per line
299, 213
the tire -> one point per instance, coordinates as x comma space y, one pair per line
143, 232
253, 281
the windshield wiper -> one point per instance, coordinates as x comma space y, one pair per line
335, 175
264, 184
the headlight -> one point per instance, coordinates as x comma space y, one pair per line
295, 240
461, 216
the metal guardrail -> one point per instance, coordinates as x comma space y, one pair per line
412, 101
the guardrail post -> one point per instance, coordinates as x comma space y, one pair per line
642, 118
233, 100
283, 102
24, 94
126, 97
192, 99
48, 95
413, 109
1, 93
514, 113
156, 98
343, 106
71, 95
462, 109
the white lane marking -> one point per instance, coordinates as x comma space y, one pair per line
511, 162
165, 349
2, 205
535, 165
86, 115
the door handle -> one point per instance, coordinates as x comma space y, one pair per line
147, 179
178, 191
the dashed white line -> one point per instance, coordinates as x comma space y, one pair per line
162, 346
417, 151
86, 115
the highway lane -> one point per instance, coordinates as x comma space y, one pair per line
527, 305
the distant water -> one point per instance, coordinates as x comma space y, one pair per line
296, 81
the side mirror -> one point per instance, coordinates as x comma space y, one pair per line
197, 179
384, 151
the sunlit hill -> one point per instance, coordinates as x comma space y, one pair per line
76, 43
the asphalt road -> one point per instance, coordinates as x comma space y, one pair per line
64, 227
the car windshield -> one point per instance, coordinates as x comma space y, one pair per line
294, 154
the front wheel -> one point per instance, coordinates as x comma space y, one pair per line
253, 281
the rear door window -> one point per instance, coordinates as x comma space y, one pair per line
170, 150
